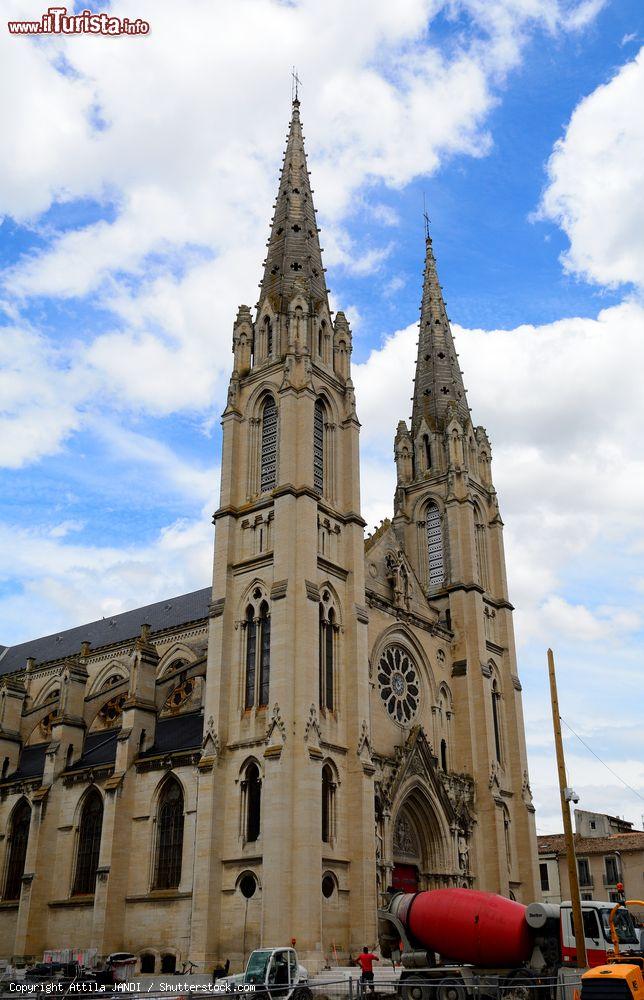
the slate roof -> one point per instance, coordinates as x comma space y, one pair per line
31, 763
179, 732
100, 748
593, 845
107, 631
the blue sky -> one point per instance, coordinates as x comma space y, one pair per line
135, 206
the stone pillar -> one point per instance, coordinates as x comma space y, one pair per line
26, 943
68, 726
12, 700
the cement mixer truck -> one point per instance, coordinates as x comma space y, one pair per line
455, 943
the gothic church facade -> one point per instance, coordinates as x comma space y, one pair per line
258, 762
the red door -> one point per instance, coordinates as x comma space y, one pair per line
405, 878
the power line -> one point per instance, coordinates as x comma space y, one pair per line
590, 750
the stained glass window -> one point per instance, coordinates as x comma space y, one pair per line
399, 684
17, 850
169, 837
89, 845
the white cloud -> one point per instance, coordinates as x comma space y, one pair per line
39, 397
384, 214
564, 410
71, 583
599, 790
200, 484
188, 165
595, 181
577, 622
66, 527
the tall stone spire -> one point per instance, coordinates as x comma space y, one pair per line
438, 376
294, 259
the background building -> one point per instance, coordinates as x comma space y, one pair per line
260, 763
608, 851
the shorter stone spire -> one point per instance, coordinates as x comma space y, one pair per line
438, 376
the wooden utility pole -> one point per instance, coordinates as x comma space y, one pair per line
573, 877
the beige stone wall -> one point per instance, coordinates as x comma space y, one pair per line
601, 887
123, 914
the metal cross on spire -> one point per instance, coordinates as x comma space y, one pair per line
295, 86
426, 218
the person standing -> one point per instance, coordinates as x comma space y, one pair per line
365, 960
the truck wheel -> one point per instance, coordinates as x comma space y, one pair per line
302, 993
518, 985
451, 989
417, 988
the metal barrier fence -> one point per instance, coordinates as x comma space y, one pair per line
448, 988
352, 988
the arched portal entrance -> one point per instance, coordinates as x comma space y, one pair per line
420, 847
405, 874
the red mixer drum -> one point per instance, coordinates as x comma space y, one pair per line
464, 925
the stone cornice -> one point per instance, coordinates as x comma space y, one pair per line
288, 489
331, 567
253, 562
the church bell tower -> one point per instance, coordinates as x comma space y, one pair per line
285, 826
446, 515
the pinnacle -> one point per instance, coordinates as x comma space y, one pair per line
438, 380
294, 257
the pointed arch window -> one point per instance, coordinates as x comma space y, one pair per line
169, 839
89, 845
253, 794
268, 336
264, 653
318, 446
434, 529
268, 475
328, 632
481, 547
251, 655
496, 719
427, 449
444, 755
328, 804
18, 839
257, 628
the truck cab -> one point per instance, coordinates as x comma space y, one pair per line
274, 972
595, 914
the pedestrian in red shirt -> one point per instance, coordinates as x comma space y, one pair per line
365, 960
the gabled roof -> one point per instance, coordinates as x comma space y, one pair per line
107, 631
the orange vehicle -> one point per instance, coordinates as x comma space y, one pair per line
622, 978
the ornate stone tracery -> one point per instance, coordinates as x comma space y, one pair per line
405, 840
399, 684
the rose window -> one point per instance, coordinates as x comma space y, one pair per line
399, 686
